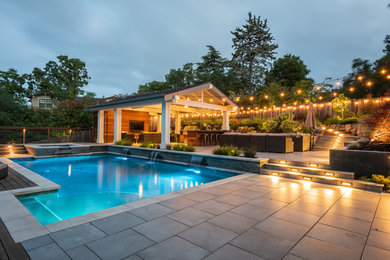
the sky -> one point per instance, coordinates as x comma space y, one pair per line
132, 42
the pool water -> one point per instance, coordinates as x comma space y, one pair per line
95, 182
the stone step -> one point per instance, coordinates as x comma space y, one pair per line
307, 170
357, 184
312, 165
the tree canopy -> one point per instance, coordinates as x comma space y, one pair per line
254, 50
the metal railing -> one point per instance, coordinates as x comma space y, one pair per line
23, 135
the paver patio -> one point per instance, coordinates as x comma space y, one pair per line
258, 217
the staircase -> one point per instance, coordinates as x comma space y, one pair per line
10, 149
315, 172
327, 142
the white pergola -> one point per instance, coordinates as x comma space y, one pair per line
205, 98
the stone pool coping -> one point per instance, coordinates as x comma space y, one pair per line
22, 225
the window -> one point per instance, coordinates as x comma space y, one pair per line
45, 103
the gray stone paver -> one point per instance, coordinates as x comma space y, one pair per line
208, 236
258, 217
151, 211
76, 236
47, 252
160, 229
229, 252
119, 245
118, 222
172, 249
82, 253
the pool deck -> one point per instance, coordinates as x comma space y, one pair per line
249, 216
308, 156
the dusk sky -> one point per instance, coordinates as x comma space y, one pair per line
128, 43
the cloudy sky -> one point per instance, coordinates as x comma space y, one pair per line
127, 43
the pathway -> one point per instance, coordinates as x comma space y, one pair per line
256, 217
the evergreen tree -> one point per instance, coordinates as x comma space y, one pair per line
254, 49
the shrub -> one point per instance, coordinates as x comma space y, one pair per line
249, 151
229, 150
169, 147
183, 147
285, 116
289, 126
351, 120
353, 146
379, 179
234, 124
124, 142
332, 121
245, 122
270, 125
150, 145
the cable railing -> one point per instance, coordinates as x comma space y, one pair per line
24, 135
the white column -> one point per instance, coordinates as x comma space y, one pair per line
177, 123
100, 127
165, 124
158, 123
117, 124
225, 121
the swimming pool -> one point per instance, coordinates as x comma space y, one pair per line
95, 182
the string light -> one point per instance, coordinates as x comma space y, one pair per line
334, 94
251, 98
299, 91
318, 88
266, 96
388, 76
237, 99
306, 100
383, 71
282, 94
360, 78
320, 97
351, 89
338, 83
369, 84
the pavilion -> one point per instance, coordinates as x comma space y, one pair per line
136, 112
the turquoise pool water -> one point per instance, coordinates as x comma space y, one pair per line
95, 182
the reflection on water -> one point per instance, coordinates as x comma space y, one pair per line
92, 183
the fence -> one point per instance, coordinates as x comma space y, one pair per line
22, 135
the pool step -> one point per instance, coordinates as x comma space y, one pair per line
357, 184
310, 170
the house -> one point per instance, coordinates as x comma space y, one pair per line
133, 114
42, 101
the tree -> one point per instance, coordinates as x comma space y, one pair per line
13, 83
340, 104
185, 76
254, 49
287, 71
64, 79
152, 87
217, 70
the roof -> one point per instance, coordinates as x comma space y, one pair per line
144, 96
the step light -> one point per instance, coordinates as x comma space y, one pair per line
344, 183
294, 169
313, 165
331, 174
282, 162
306, 178
275, 173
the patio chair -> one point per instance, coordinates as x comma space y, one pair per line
279, 143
